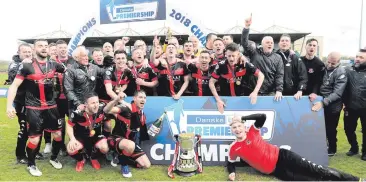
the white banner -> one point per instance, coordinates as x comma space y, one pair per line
82, 33
190, 25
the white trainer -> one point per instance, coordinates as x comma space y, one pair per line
47, 149
56, 164
34, 171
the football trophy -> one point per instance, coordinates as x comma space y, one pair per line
187, 160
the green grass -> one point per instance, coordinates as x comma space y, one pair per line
14, 172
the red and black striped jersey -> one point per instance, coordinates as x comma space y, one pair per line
39, 84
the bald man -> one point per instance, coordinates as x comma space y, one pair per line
267, 61
107, 49
355, 103
334, 84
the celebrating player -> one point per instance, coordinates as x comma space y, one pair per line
130, 124
85, 132
269, 159
41, 108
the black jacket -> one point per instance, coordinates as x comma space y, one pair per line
354, 96
295, 75
270, 65
334, 83
315, 69
12, 72
80, 80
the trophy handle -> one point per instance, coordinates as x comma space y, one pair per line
171, 168
199, 154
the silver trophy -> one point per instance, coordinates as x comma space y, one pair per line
187, 159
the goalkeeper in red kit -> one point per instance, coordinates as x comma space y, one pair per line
269, 159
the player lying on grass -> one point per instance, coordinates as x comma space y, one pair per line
269, 159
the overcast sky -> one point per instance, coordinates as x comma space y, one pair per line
338, 20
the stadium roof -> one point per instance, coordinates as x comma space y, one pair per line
98, 38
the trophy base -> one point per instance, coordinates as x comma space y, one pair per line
186, 174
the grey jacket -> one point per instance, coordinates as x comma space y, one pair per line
270, 65
332, 88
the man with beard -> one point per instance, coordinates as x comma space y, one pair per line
230, 74
24, 53
201, 73
144, 78
41, 109
107, 49
315, 68
174, 78
85, 131
295, 76
130, 125
267, 61
80, 79
334, 83
355, 103
269, 159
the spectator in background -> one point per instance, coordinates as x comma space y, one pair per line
315, 68
295, 76
52, 51
227, 39
97, 56
120, 44
267, 61
210, 38
334, 83
107, 49
355, 103
196, 43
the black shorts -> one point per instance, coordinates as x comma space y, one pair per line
113, 143
63, 107
39, 120
90, 142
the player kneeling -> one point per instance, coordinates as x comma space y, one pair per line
129, 130
85, 133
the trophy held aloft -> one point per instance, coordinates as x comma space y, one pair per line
187, 160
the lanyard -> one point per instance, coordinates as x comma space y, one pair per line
330, 74
46, 72
120, 78
91, 123
232, 71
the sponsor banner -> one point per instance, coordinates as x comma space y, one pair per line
190, 24
290, 124
83, 32
120, 11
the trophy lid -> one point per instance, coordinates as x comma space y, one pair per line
186, 135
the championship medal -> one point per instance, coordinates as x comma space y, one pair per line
92, 133
237, 82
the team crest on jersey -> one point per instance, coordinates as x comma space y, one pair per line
248, 142
311, 70
72, 115
108, 73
